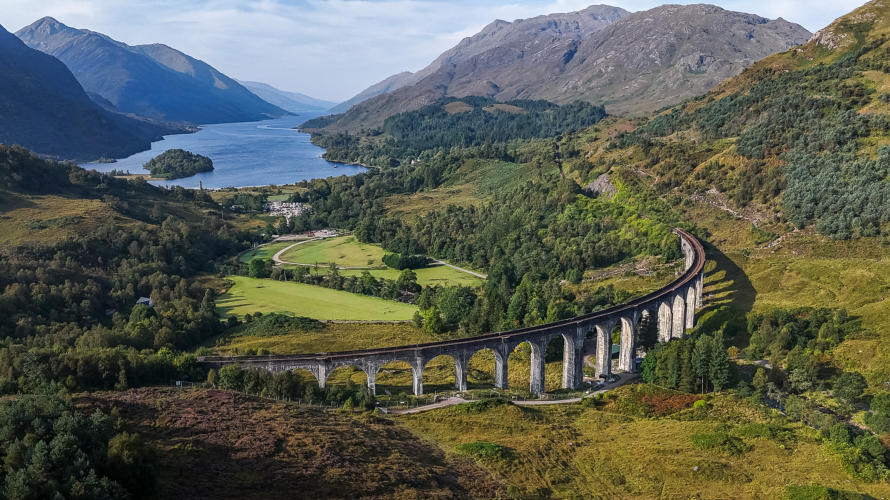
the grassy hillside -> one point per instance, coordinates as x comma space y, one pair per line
639, 441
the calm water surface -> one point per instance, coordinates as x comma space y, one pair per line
243, 154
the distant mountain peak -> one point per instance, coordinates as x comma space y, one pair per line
631, 62
153, 80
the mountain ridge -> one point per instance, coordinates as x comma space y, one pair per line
152, 80
638, 63
580, 23
295, 102
46, 110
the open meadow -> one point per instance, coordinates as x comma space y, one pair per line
347, 252
250, 295
344, 251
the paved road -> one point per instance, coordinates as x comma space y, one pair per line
452, 401
279, 261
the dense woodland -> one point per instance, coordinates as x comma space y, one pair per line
456, 123
178, 163
67, 310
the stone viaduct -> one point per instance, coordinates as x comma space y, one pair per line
672, 307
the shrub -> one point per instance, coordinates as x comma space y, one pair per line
399, 261
721, 442
819, 492
481, 406
485, 451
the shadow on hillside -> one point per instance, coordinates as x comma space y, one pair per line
216, 444
728, 297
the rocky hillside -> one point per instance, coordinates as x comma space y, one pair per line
153, 81
46, 110
632, 63
544, 37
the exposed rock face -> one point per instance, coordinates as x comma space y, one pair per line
44, 108
632, 63
154, 80
602, 186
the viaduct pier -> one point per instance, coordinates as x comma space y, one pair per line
671, 307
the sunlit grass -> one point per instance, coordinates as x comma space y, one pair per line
573, 450
249, 295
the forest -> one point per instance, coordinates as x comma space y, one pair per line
178, 163
475, 121
67, 314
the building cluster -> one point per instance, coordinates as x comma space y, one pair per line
286, 209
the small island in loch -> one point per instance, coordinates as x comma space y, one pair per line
178, 163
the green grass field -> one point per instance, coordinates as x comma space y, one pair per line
345, 251
249, 295
806, 269
264, 252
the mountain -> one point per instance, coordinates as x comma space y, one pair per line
632, 63
154, 80
390, 84
554, 32
288, 101
44, 108
800, 136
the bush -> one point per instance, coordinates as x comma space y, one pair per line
819, 492
849, 386
133, 463
485, 451
399, 261
719, 441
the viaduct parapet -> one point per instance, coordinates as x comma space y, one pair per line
671, 307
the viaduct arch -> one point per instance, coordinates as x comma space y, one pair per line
672, 307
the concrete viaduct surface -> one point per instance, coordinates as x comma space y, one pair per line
672, 307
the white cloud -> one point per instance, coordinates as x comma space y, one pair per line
333, 48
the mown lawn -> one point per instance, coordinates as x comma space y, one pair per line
344, 251
605, 451
264, 252
249, 295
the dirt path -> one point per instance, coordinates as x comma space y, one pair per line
452, 401
452, 266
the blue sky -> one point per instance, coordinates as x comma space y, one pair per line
332, 49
